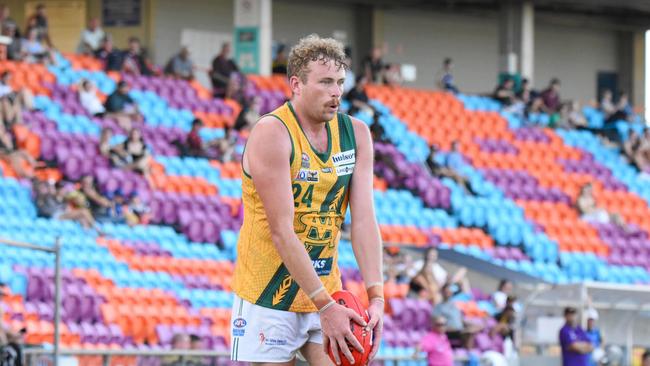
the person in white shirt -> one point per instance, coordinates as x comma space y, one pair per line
91, 38
89, 99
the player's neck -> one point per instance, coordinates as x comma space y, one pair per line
311, 126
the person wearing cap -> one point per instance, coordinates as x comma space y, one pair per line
594, 335
576, 347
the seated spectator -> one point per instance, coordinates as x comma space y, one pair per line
133, 59
179, 342
575, 344
13, 102
445, 77
397, 265
136, 212
122, 107
359, 101
133, 154
193, 143
613, 113
607, 104
249, 115
641, 153
505, 327
393, 75
89, 99
505, 93
33, 50
439, 167
105, 146
110, 56
39, 22
457, 329
436, 344
589, 211
5, 18
180, 65
19, 160
280, 62
373, 66
223, 68
15, 48
551, 96
227, 146
631, 146
49, 199
76, 209
526, 94
98, 204
197, 344
431, 276
501, 295
377, 130
91, 38
571, 116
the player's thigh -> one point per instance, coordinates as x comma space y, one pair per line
315, 354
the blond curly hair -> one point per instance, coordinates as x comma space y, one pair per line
314, 48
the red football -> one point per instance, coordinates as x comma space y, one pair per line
348, 300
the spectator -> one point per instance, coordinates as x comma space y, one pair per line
439, 167
526, 93
91, 38
504, 93
574, 342
98, 204
111, 57
505, 326
20, 161
431, 277
645, 358
136, 212
33, 50
89, 99
631, 147
223, 68
196, 344
179, 342
446, 78
436, 344
457, 329
121, 106
11, 342
590, 212
249, 115
227, 147
373, 66
595, 336
193, 142
501, 295
5, 18
377, 130
392, 75
571, 115
76, 209
607, 104
15, 48
133, 154
615, 112
39, 22
280, 63
49, 199
551, 96
13, 102
181, 66
358, 98
133, 60
104, 145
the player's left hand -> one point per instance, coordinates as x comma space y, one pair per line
375, 324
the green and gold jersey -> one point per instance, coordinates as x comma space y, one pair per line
320, 183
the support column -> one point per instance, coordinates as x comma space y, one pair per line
517, 38
252, 36
639, 72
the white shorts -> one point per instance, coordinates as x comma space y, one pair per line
261, 334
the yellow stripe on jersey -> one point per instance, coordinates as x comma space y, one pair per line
320, 182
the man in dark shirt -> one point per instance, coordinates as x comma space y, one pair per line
111, 57
193, 142
551, 96
133, 61
222, 68
358, 98
373, 66
505, 93
121, 106
575, 344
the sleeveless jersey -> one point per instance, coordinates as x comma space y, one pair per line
320, 184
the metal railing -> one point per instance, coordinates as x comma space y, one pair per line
56, 250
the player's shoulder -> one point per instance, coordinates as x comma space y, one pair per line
269, 127
361, 131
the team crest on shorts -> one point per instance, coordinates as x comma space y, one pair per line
238, 326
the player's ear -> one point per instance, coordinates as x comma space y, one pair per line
295, 84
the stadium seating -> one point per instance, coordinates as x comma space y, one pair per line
137, 286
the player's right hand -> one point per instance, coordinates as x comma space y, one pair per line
335, 324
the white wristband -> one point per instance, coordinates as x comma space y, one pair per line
328, 305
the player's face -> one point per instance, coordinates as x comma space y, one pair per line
323, 90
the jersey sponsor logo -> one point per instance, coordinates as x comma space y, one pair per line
343, 158
344, 170
305, 161
238, 327
306, 175
322, 266
327, 170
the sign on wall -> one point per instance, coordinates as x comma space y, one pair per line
247, 49
121, 13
